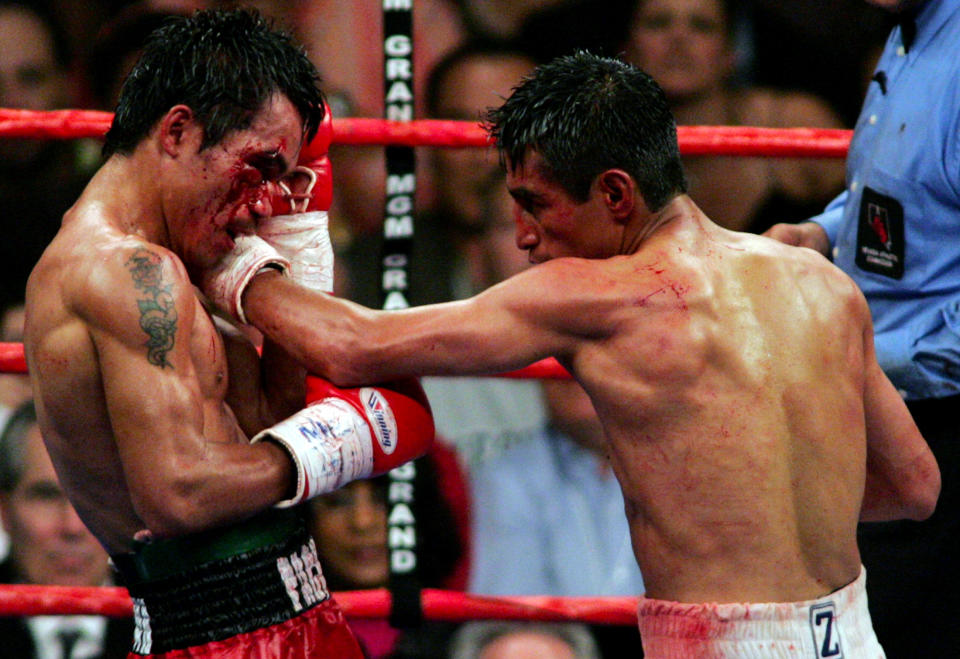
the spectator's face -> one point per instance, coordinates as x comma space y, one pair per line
48, 542
350, 529
464, 175
682, 44
30, 78
522, 644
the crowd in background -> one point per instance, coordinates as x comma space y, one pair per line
753, 62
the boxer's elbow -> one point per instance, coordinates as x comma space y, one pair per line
167, 514
177, 504
923, 490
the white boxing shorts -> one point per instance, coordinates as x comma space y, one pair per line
836, 626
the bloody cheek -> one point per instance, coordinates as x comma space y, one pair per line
243, 191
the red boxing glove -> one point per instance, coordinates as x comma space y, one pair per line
346, 434
319, 146
309, 187
410, 409
298, 226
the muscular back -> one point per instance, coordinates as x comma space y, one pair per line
129, 374
728, 373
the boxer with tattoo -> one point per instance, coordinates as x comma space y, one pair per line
148, 403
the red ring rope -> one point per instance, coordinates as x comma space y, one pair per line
12, 360
694, 140
450, 606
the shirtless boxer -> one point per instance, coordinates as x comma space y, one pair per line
146, 403
746, 417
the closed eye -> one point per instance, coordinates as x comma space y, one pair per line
272, 166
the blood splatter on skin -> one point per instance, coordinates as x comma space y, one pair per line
679, 290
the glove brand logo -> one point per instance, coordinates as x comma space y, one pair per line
383, 423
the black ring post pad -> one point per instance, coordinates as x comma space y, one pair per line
406, 602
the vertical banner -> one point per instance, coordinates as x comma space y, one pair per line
405, 587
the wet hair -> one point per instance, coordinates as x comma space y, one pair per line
13, 445
585, 114
225, 66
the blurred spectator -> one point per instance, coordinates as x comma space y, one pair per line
448, 247
49, 545
522, 640
688, 47
500, 20
471, 206
14, 387
546, 500
560, 28
344, 40
119, 42
821, 46
549, 28
350, 529
39, 179
481, 416
461, 86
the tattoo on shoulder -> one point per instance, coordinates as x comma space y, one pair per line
158, 316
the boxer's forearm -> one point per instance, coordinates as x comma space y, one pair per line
323, 333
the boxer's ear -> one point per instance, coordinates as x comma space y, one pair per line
176, 129
620, 194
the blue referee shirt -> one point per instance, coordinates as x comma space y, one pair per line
896, 227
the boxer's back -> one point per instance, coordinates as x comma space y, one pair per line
731, 391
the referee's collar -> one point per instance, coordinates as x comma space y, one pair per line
908, 28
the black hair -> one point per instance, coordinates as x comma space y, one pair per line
584, 114
471, 49
13, 443
224, 65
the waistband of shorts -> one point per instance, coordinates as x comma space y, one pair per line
853, 594
160, 559
211, 586
739, 628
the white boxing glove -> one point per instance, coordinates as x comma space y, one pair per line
224, 283
352, 433
301, 234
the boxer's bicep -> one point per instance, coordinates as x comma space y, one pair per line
141, 324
